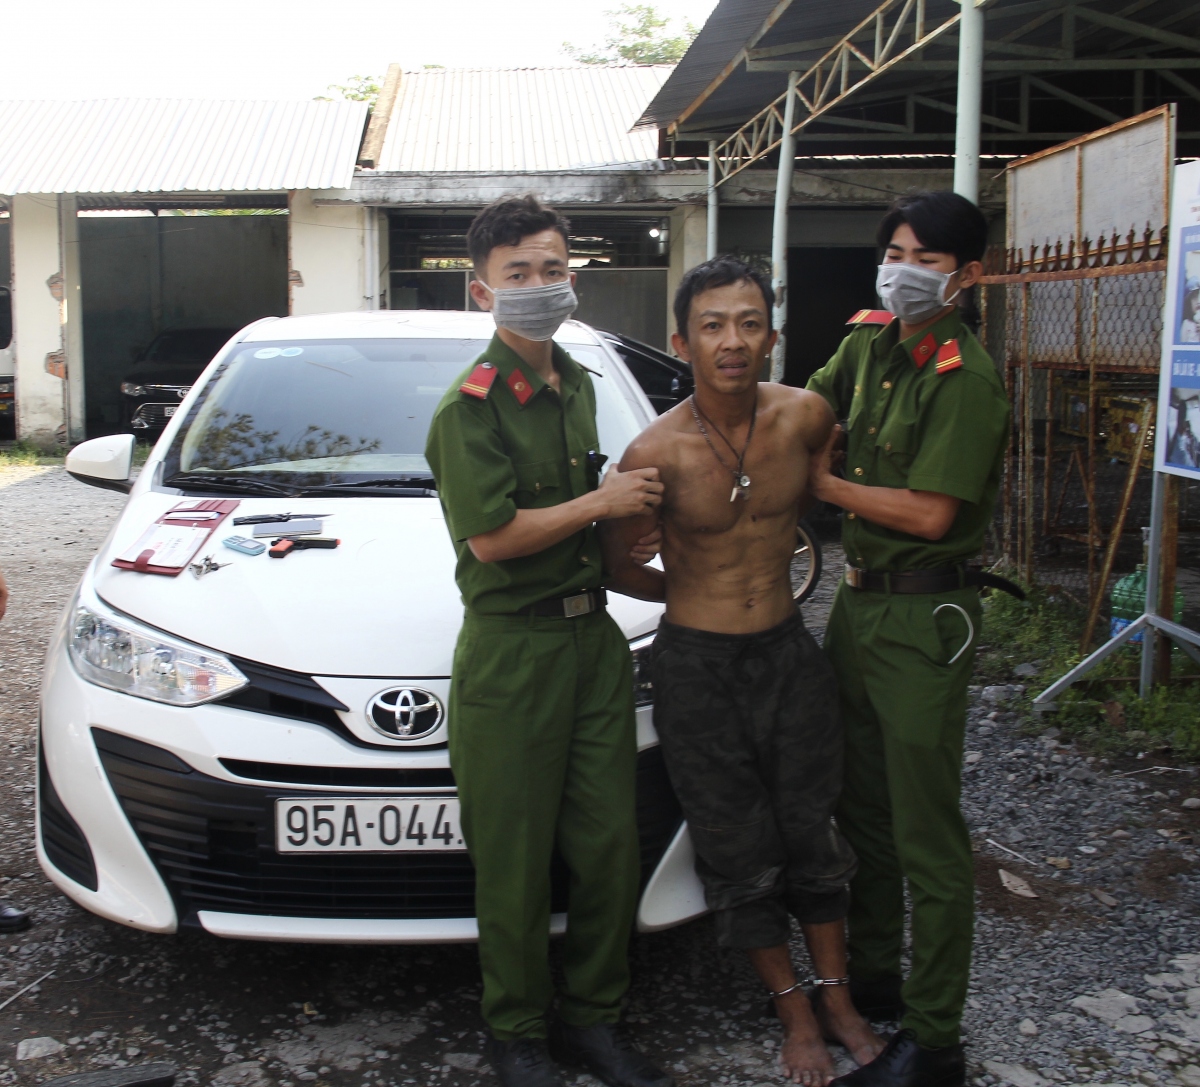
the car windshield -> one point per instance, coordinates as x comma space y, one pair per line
298, 415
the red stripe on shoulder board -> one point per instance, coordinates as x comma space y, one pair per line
872, 317
948, 357
479, 382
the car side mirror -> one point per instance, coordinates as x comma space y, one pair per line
104, 462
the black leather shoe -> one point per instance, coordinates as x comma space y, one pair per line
523, 1062
607, 1051
904, 1063
13, 919
877, 998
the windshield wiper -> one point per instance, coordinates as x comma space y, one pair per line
413, 486
228, 483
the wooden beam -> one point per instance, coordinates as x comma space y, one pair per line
372, 145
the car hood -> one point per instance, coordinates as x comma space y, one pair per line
384, 603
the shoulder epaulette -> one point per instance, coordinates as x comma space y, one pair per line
872, 317
479, 383
948, 357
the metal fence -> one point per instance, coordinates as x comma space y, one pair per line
1077, 334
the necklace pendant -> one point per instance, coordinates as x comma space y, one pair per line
734, 493
743, 487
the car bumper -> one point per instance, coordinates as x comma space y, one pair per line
141, 821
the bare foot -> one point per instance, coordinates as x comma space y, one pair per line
841, 1022
804, 1057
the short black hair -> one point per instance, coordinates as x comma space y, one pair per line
718, 272
507, 220
942, 221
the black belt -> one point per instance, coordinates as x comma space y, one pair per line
942, 580
567, 607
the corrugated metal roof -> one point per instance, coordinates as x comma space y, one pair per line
521, 120
132, 145
726, 30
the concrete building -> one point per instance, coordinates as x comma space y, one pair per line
89, 287
316, 206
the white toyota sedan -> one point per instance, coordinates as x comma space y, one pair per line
259, 750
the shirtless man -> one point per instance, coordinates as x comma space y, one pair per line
745, 702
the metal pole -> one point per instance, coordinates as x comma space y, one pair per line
970, 99
710, 249
779, 230
1158, 502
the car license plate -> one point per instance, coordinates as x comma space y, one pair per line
170, 409
378, 824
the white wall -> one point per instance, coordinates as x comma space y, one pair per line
689, 243
37, 316
72, 318
333, 262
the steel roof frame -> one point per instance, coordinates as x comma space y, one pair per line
872, 49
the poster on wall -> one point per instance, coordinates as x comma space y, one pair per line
1177, 444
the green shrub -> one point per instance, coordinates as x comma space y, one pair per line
1108, 717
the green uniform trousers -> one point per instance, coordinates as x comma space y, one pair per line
543, 746
903, 697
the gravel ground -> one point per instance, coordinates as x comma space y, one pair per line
1094, 981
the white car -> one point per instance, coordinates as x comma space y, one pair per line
260, 751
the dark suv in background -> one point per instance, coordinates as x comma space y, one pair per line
163, 374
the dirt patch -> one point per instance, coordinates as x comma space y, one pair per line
1156, 877
1050, 905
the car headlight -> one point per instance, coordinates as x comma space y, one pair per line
115, 652
131, 388
643, 689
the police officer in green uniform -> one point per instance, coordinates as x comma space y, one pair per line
542, 737
927, 425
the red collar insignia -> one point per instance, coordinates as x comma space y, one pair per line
924, 350
872, 317
948, 357
520, 386
479, 382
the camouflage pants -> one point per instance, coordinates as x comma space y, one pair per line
749, 728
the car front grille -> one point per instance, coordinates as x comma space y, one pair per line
63, 841
213, 843
279, 692
362, 777
154, 415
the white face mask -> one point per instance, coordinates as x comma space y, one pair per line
912, 293
533, 312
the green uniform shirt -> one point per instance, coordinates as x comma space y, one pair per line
914, 427
494, 455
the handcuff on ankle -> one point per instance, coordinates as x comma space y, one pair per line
816, 983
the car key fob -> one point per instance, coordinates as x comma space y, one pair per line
244, 544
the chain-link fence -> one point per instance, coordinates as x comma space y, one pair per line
1077, 335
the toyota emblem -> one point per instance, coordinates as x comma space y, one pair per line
405, 713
